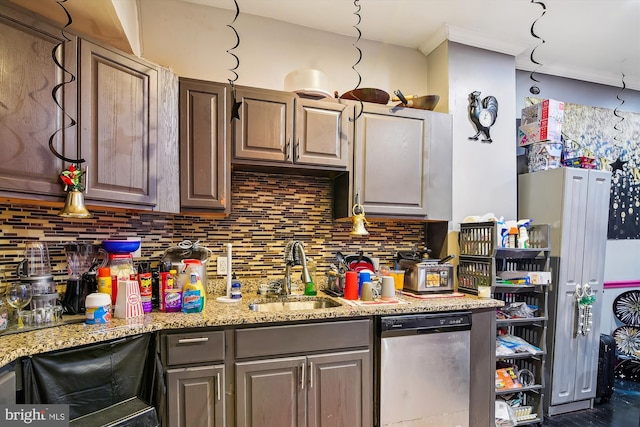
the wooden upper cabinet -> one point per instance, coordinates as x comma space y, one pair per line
28, 113
118, 132
321, 133
402, 163
265, 128
205, 175
279, 128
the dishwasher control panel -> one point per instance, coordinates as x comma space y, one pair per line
423, 323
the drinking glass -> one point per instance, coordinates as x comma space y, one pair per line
18, 296
398, 279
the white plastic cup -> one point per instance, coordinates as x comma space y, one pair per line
388, 288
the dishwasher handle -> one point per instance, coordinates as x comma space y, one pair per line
422, 331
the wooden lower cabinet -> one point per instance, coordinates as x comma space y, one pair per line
340, 390
195, 396
315, 390
8, 387
271, 393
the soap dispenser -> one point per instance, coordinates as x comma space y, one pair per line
310, 288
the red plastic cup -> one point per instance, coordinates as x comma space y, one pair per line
351, 285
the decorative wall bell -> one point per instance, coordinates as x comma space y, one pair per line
74, 204
359, 221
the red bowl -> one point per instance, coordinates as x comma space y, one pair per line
362, 265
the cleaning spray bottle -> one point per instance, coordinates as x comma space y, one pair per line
193, 292
523, 233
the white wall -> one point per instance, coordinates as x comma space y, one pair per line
484, 175
192, 40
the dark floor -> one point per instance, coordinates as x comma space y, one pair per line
623, 410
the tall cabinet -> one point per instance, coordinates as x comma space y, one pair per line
576, 204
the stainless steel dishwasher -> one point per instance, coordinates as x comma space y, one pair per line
423, 370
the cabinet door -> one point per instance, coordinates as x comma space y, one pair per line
339, 390
394, 170
195, 397
205, 178
28, 113
271, 393
321, 133
8, 387
596, 211
265, 129
118, 126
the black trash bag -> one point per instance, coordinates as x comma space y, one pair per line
92, 377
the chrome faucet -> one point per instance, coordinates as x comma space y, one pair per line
294, 255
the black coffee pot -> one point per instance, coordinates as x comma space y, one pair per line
77, 291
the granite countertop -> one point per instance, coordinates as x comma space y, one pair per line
16, 345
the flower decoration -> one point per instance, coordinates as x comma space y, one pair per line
71, 178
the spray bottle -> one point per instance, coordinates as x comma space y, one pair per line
523, 233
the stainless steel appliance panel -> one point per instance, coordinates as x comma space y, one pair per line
424, 371
427, 276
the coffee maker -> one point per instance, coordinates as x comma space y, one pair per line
83, 260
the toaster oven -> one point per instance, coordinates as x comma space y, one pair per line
427, 276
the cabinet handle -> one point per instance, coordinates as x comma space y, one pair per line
302, 374
287, 149
192, 340
296, 150
310, 374
218, 385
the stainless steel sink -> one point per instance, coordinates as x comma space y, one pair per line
293, 305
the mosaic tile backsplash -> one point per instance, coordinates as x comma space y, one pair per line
268, 210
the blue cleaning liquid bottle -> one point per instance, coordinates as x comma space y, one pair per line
193, 295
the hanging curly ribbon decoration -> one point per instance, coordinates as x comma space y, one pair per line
356, 3
535, 89
617, 126
56, 88
235, 110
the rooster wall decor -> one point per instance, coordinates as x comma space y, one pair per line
483, 114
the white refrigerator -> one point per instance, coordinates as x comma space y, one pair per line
575, 202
